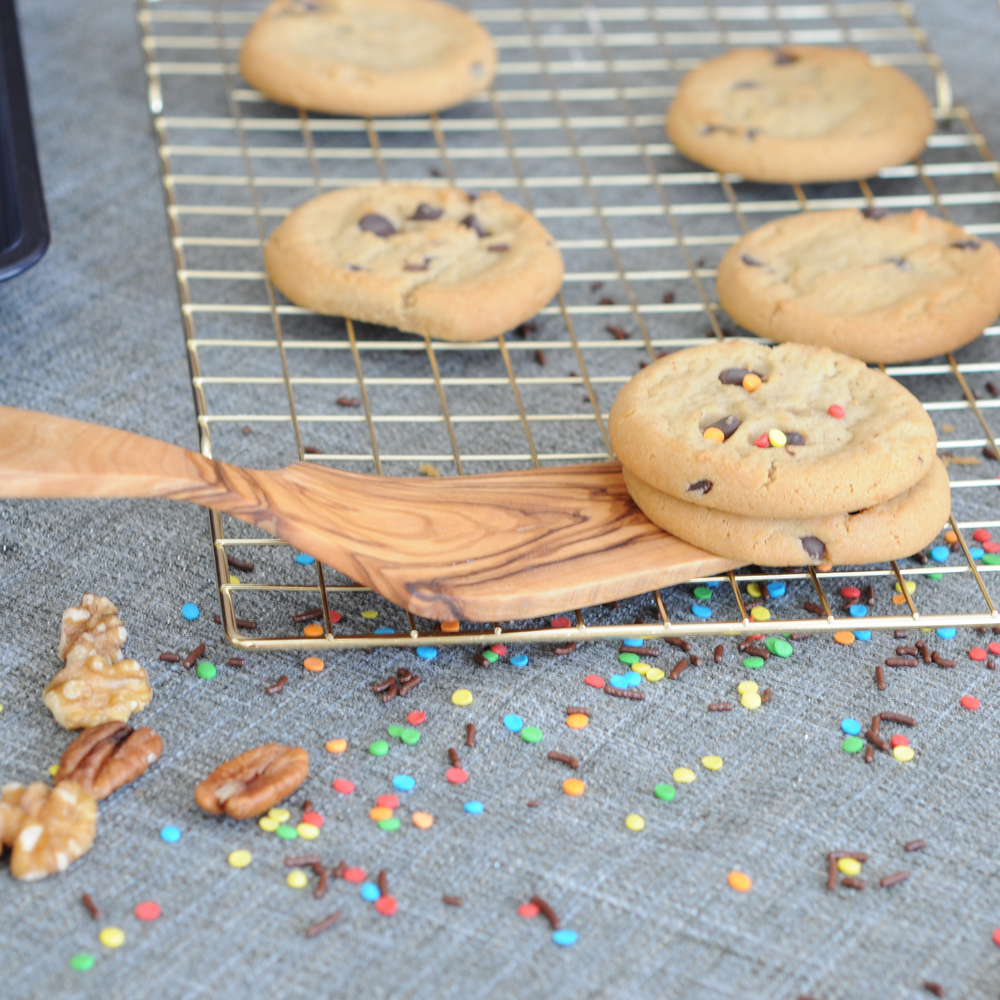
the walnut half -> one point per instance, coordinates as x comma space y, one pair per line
102, 759
17, 805
95, 690
95, 627
250, 784
55, 833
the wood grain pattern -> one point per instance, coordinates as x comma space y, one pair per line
476, 548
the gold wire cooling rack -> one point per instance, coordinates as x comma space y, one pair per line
573, 129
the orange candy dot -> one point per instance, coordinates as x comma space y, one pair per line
714, 434
423, 821
577, 720
751, 382
824, 567
450, 626
573, 786
337, 746
740, 882
898, 599
844, 638
312, 630
313, 664
950, 537
379, 813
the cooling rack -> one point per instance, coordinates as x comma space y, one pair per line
573, 130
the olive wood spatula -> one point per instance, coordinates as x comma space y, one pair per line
472, 548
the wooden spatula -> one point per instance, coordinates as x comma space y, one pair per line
475, 548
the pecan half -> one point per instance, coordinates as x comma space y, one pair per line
61, 832
95, 627
102, 759
94, 690
250, 784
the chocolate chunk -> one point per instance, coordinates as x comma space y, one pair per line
703, 486
815, 549
377, 224
900, 262
416, 267
751, 261
966, 245
498, 247
733, 376
473, 223
426, 213
793, 437
874, 213
728, 426
785, 59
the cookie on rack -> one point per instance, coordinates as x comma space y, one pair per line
792, 431
883, 288
371, 58
428, 260
893, 529
798, 114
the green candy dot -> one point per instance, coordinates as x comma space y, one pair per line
992, 558
379, 748
389, 824
753, 662
531, 734
411, 737
83, 961
703, 593
286, 832
778, 647
939, 576
629, 658
395, 731
665, 792
853, 744
206, 670
489, 656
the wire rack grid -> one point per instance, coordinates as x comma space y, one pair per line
573, 130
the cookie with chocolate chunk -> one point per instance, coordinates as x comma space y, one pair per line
428, 260
879, 287
798, 114
893, 529
367, 57
792, 431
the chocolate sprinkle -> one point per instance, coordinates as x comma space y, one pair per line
721, 706
377, 224
966, 245
426, 213
472, 222
815, 548
451, 900
279, 686
323, 925
894, 879
874, 213
785, 59
703, 486
915, 845
240, 564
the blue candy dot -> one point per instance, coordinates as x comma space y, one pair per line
514, 723
631, 642
776, 588
369, 892
519, 661
170, 834
404, 783
190, 611
565, 937
426, 652
303, 560
633, 679
850, 726
619, 681
383, 631
863, 636
474, 807
976, 553
714, 583
940, 553
858, 611
700, 611
946, 633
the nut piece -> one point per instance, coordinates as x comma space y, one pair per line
61, 831
95, 627
95, 690
106, 757
250, 784
17, 805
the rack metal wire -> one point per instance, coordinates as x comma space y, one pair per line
573, 130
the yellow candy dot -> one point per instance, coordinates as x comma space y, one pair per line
927, 630
903, 753
760, 614
369, 614
281, 815
750, 700
1, 708
240, 859
53, 769
307, 831
635, 822
777, 438
234, 579
712, 762
297, 879
462, 697
714, 434
337, 746
112, 937
683, 776
422, 820
577, 720
911, 585
747, 687
641, 668
849, 866
268, 824
739, 881
753, 590
655, 674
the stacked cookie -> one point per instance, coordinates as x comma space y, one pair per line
781, 456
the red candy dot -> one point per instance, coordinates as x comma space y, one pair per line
499, 648
978, 654
388, 801
147, 910
981, 535
343, 786
313, 818
386, 905
760, 635
996, 937
763, 441
994, 648
969, 702
456, 775
334, 617
415, 718
594, 681
991, 547
530, 910
899, 740
353, 875
850, 593
560, 622
837, 411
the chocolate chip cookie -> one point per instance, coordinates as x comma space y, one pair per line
798, 114
789, 432
879, 287
367, 57
427, 260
